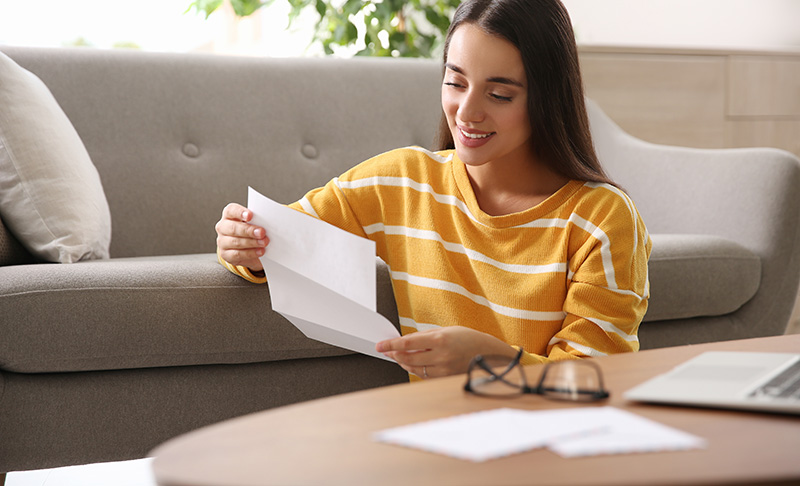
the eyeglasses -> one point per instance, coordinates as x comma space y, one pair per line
571, 380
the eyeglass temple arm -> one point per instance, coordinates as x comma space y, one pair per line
511, 365
501, 376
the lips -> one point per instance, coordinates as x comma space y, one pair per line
473, 138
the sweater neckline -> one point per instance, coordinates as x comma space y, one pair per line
542, 209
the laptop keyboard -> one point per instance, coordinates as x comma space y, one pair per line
785, 386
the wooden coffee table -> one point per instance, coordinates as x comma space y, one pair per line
328, 441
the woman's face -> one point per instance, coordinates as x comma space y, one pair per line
484, 97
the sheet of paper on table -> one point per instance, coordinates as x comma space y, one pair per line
321, 278
574, 432
136, 472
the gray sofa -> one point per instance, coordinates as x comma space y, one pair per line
103, 360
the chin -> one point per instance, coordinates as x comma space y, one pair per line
469, 157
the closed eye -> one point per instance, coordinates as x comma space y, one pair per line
506, 99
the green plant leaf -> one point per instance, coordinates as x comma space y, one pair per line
352, 7
436, 19
205, 6
297, 7
244, 8
415, 27
321, 7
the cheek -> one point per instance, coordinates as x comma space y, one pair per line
519, 119
449, 106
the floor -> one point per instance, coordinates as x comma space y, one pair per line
126, 473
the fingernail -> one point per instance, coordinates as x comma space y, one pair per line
245, 215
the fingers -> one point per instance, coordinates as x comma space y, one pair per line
411, 358
418, 341
241, 237
424, 372
239, 242
244, 231
413, 353
441, 352
423, 366
234, 223
236, 211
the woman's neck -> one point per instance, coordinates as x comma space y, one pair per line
510, 186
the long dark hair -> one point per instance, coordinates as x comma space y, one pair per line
542, 31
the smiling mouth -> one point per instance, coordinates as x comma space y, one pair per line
476, 136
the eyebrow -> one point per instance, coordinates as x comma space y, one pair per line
495, 79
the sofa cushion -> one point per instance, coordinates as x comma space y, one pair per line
188, 310
51, 197
699, 275
147, 312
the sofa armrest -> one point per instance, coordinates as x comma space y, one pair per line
748, 196
698, 276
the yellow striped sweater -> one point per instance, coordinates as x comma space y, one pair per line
564, 279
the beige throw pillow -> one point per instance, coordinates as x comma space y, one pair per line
51, 197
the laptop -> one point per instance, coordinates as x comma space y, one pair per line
767, 382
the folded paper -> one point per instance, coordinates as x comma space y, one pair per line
321, 278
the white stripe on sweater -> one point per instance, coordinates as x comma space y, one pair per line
478, 299
583, 349
308, 208
434, 156
411, 184
612, 329
594, 231
419, 326
461, 249
627, 200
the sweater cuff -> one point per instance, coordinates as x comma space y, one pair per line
529, 358
244, 272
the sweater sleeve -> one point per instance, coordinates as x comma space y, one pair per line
330, 204
607, 285
608, 291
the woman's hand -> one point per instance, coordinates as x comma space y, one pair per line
442, 352
240, 243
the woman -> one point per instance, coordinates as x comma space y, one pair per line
509, 237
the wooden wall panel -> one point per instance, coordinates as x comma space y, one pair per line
698, 98
783, 134
760, 87
670, 99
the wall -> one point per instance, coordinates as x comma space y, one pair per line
759, 24
698, 98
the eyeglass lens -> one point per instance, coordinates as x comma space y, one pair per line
572, 380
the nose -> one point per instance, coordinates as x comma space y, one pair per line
471, 110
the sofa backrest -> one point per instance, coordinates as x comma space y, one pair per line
747, 196
177, 136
